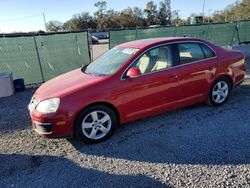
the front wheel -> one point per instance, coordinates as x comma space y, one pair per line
219, 92
96, 124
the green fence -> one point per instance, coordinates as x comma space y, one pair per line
221, 34
39, 58
244, 31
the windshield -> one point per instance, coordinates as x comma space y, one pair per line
110, 62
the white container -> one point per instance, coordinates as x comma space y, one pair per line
6, 84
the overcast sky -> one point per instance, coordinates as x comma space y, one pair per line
26, 15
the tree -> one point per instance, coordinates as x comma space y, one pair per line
138, 16
238, 11
110, 20
218, 16
151, 13
129, 17
100, 13
164, 14
101, 8
80, 22
54, 25
126, 18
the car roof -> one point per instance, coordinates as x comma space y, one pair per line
155, 41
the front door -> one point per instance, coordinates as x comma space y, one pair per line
155, 90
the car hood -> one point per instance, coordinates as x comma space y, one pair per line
65, 84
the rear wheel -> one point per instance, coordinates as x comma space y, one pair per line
96, 124
219, 92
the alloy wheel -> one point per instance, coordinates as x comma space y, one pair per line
96, 125
220, 91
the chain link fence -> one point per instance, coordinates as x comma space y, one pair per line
222, 34
38, 58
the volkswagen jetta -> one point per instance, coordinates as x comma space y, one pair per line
132, 81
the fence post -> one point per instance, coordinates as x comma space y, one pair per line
38, 57
109, 38
207, 31
136, 33
175, 31
237, 32
233, 36
90, 45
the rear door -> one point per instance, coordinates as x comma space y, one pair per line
197, 67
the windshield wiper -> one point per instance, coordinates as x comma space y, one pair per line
84, 70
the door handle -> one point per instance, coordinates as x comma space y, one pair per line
173, 76
211, 68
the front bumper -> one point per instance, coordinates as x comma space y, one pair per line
42, 128
52, 125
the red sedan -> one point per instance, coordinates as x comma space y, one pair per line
132, 81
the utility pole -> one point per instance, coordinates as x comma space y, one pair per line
45, 24
177, 16
209, 13
203, 11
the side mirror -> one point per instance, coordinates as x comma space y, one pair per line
133, 72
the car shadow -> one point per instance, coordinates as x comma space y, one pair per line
50, 171
14, 114
197, 134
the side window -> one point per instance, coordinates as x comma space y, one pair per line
155, 59
190, 52
207, 51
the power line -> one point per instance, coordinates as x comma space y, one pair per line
22, 18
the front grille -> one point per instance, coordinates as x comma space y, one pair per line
43, 127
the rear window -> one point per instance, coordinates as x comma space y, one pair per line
207, 51
190, 52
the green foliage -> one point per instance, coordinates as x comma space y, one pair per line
164, 14
102, 7
80, 22
100, 14
54, 25
129, 17
238, 11
151, 13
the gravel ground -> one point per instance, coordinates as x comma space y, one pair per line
101, 48
197, 146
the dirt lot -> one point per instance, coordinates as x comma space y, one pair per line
197, 146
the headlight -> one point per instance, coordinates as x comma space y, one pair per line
48, 105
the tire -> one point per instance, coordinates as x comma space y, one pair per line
96, 124
219, 92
